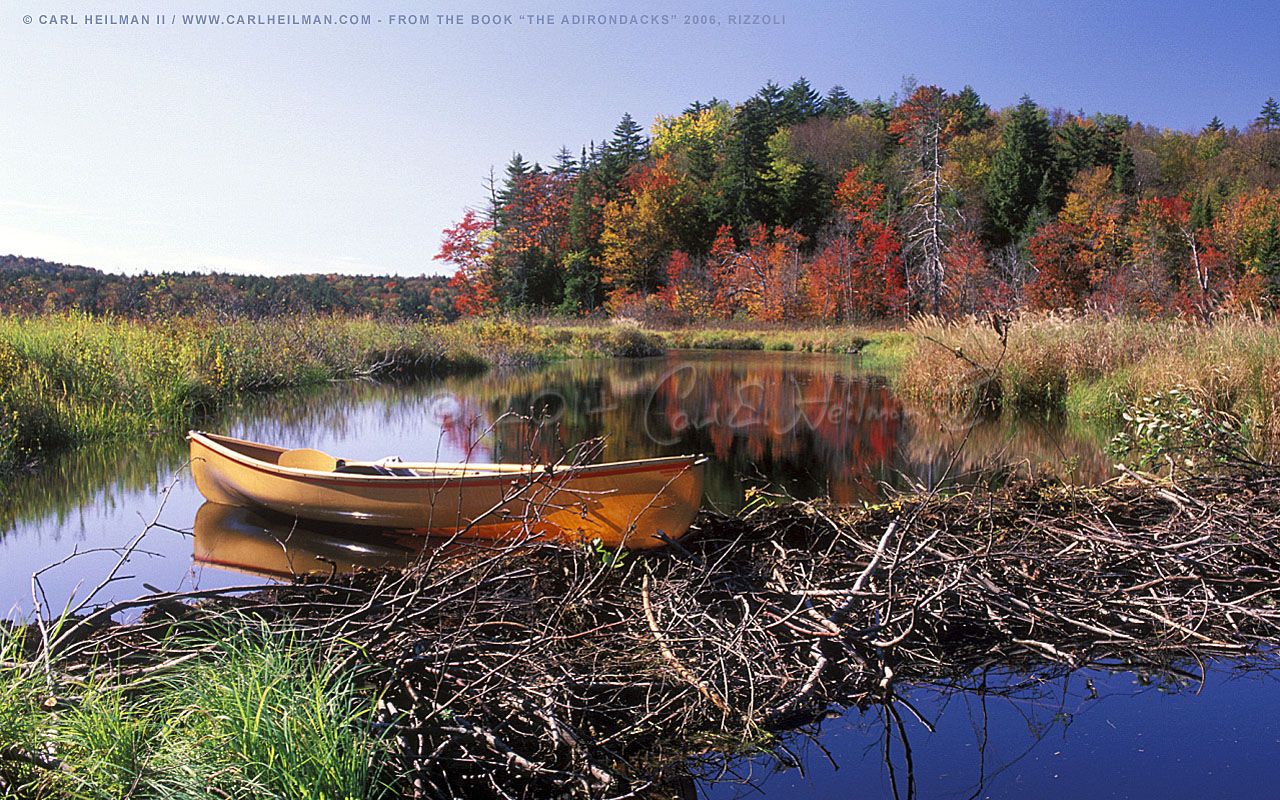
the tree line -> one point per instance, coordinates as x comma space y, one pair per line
35, 286
795, 205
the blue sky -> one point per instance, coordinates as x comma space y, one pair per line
276, 149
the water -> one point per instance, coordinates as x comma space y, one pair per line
1091, 734
810, 425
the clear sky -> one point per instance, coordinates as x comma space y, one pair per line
288, 148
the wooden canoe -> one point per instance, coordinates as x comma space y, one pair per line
632, 504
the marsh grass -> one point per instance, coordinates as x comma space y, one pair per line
881, 350
69, 378
1096, 367
257, 716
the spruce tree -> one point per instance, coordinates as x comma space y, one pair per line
1269, 117
974, 114
838, 104
1215, 125
1020, 171
799, 102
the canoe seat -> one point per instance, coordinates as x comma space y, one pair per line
373, 469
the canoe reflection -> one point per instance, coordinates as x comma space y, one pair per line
269, 546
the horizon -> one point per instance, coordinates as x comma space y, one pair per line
283, 149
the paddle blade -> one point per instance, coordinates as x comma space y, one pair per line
306, 458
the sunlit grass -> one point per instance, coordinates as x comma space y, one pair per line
259, 715
70, 378
1096, 367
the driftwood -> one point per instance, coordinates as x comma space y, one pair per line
528, 671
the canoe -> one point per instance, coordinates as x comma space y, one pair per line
633, 504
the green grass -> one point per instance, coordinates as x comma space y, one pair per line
257, 715
68, 379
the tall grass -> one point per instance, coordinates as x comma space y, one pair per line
257, 716
1096, 367
69, 378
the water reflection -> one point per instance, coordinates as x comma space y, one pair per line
810, 425
1090, 733
267, 546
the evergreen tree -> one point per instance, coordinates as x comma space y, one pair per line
799, 102
618, 155
566, 164
1215, 125
838, 104
582, 287
743, 196
628, 142
1269, 117
878, 109
517, 170
1124, 171
974, 114
771, 96
1020, 172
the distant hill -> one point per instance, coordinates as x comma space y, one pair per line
34, 285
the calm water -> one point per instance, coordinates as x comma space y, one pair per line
811, 425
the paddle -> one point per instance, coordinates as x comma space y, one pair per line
307, 458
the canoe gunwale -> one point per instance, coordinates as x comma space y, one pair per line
480, 477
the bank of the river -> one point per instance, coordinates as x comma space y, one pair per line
1091, 367
69, 379
536, 672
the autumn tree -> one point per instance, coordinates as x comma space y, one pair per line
468, 246
763, 279
924, 124
641, 229
856, 273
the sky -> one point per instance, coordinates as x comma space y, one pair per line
349, 148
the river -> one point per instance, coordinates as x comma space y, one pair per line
806, 425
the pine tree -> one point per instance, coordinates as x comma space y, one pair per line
1269, 117
566, 164
799, 102
839, 104
975, 115
1215, 125
618, 155
1017, 181
628, 142
581, 283
517, 170
743, 197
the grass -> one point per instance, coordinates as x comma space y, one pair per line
257, 715
68, 379
880, 350
1096, 367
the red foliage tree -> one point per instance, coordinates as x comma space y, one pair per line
764, 279
857, 273
1059, 253
469, 247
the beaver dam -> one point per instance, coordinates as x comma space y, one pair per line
534, 671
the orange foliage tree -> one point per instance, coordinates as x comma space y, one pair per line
857, 271
763, 279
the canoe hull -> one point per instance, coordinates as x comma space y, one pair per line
636, 505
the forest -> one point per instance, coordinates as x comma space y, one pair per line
798, 206
35, 286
